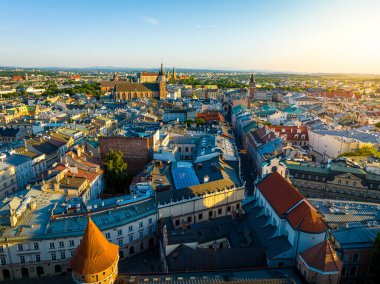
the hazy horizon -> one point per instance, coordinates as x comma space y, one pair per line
273, 36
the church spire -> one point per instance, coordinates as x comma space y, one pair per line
252, 79
162, 72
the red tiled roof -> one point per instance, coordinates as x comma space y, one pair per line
322, 257
81, 173
210, 116
94, 254
304, 218
280, 194
291, 132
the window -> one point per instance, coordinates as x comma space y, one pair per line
228, 208
35, 245
130, 228
150, 230
176, 222
141, 234
200, 216
61, 244
150, 221
119, 232
38, 258
189, 219
20, 247
344, 270
63, 255
220, 211
53, 256
71, 243
355, 258
22, 259
3, 261
108, 235
353, 270
52, 246
210, 214
121, 242
130, 238
237, 206
141, 224
72, 253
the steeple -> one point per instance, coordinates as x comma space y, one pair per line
161, 72
252, 87
116, 76
162, 81
252, 79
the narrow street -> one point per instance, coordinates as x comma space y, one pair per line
248, 173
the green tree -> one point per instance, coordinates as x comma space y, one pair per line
116, 176
188, 122
377, 125
376, 255
200, 121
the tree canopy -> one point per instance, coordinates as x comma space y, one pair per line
365, 152
117, 179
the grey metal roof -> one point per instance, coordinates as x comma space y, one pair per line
38, 223
184, 175
262, 275
339, 211
352, 133
356, 237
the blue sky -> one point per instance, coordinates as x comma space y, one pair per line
280, 35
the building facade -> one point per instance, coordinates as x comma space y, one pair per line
48, 244
338, 179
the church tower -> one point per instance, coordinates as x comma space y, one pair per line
162, 82
116, 76
174, 74
95, 259
251, 88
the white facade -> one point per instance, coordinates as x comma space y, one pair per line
328, 147
202, 208
299, 240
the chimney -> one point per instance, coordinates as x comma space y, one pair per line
56, 186
33, 204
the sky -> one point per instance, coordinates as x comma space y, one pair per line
332, 36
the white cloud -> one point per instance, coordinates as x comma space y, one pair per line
150, 21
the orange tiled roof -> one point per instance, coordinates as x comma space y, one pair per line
322, 257
280, 194
305, 219
94, 254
